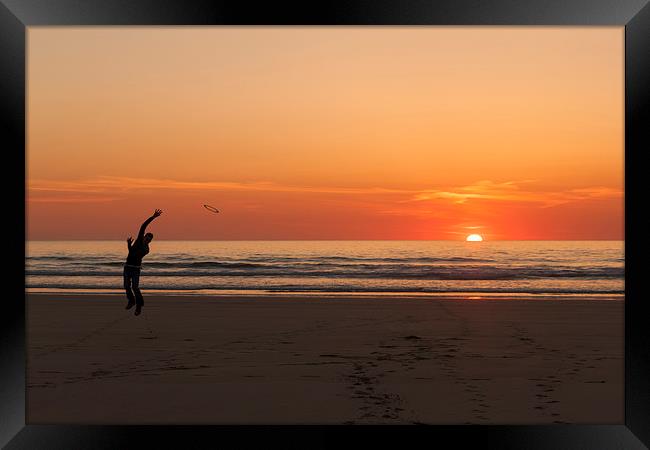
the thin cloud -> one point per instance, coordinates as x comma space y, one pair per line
71, 199
116, 188
122, 184
511, 191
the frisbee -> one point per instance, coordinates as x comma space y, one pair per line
211, 208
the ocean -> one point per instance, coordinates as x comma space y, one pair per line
571, 268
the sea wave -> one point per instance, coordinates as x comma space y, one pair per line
197, 260
556, 267
333, 289
358, 271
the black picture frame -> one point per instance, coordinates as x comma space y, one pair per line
16, 15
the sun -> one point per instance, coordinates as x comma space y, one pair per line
474, 238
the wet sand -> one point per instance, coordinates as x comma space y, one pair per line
271, 360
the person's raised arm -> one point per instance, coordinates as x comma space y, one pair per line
143, 228
129, 242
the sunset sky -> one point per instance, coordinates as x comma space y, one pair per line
326, 132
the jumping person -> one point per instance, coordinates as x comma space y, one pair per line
137, 251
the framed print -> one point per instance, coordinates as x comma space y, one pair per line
359, 221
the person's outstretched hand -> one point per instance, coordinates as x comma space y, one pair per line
129, 240
157, 212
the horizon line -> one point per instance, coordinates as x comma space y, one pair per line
352, 240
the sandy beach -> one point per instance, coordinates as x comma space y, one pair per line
343, 360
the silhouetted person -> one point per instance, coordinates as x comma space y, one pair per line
137, 251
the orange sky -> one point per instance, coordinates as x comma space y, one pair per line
326, 132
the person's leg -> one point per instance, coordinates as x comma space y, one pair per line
127, 288
135, 283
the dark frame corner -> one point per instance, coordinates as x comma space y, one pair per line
634, 15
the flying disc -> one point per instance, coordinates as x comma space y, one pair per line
211, 208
